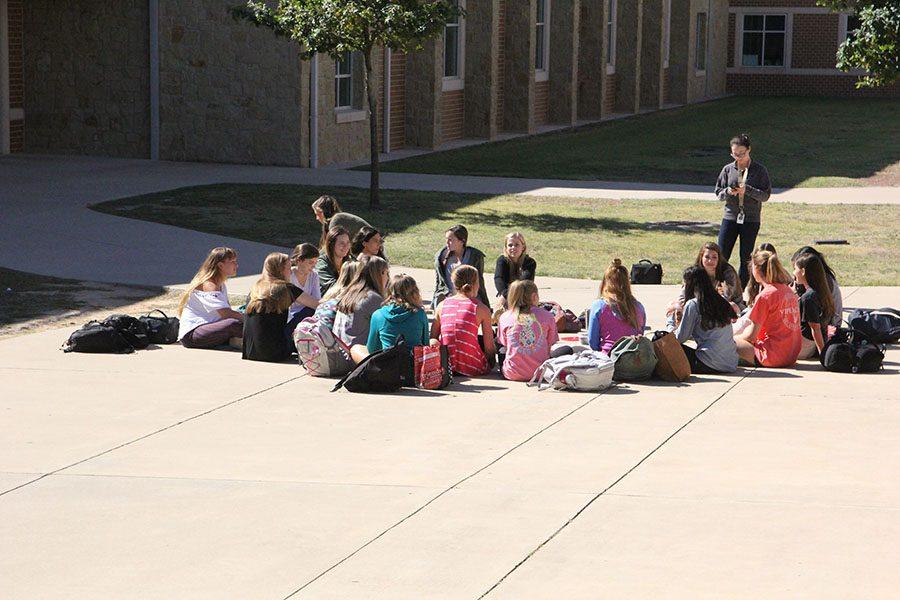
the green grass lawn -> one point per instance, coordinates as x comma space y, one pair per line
808, 142
568, 237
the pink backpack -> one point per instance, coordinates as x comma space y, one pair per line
319, 351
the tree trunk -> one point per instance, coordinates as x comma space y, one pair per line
374, 201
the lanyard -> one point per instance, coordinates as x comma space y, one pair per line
742, 180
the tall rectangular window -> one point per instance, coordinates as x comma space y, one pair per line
700, 58
853, 24
452, 47
611, 33
762, 44
343, 81
540, 36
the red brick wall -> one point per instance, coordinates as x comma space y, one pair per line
779, 3
732, 28
16, 73
541, 103
501, 58
804, 85
609, 95
452, 115
398, 100
814, 41
665, 86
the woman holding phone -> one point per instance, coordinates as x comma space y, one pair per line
743, 186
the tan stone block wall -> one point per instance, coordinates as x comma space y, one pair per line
229, 91
609, 96
87, 77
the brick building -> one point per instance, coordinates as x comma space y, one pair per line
181, 80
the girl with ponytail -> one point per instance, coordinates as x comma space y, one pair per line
816, 304
773, 337
526, 330
457, 321
328, 212
616, 313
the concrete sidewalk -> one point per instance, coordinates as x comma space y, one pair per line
193, 474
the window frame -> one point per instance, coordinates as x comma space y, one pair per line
611, 35
698, 69
339, 77
542, 73
785, 45
456, 82
667, 32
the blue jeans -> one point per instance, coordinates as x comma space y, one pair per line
728, 235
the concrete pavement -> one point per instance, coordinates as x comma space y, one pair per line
193, 474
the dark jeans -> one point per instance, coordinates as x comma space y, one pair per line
728, 235
698, 367
292, 324
215, 334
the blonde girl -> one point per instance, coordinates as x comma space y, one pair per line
526, 331
772, 339
616, 313
514, 264
206, 317
402, 314
457, 321
358, 301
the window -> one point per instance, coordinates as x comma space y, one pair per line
452, 47
343, 81
540, 37
762, 44
611, 34
700, 58
853, 24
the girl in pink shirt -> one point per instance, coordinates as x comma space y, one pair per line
773, 337
457, 321
526, 330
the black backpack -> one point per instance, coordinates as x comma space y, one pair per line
97, 337
851, 351
882, 325
162, 329
132, 329
646, 271
382, 372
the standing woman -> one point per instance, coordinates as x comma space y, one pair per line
513, 265
455, 253
743, 185
773, 337
332, 257
206, 317
616, 313
328, 213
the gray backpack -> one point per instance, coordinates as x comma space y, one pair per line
635, 358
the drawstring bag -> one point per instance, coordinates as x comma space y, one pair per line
634, 357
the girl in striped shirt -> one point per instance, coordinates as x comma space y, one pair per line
457, 321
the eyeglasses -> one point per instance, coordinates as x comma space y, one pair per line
739, 156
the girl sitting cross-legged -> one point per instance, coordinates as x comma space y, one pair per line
514, 264
457, 321
816, 304
706, 319
402, 314
304, 276
357, 302
616, 313
206, 317
526, 331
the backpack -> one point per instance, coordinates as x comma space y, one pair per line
431, 366
634, 357
382, 372
587, 371
319, 351
671, 362
881, 326
646, 271
131, 329
162, 329
566, 320
98, 338
851, 351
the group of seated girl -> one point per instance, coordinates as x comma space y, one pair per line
347, 285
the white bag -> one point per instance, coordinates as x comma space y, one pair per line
588, 371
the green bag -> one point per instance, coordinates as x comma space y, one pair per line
634, 357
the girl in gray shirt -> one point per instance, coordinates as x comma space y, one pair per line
707, 320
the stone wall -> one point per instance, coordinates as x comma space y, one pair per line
565, 19
591, 59
15, 11
628, 56
424, 73
482, 68
452, 115
87, 77
518, 71
229, 91
652, 34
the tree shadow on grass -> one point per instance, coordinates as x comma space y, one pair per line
559, 223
